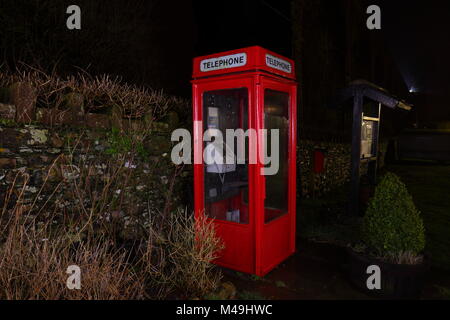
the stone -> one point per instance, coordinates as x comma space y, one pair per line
116, 117
25, 150
37, 136
5, 95
7, 163
7, 111
172, 120
126, 125
118, 214
160, 127
23, 96
54, 174
70, 175
98, 121
54, 150
157, 145
37, 177
40, 114
31, 189
21, 161
57, 142
164, 180
10, 176
55, 117
74, 101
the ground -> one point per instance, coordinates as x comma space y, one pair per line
315, 272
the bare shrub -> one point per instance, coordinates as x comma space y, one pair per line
100, 93
170, 254
178, 255
35, 254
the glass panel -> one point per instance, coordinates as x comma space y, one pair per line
369, 131
226, 185
276, 116
366, 139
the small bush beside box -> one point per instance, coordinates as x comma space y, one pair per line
394, 239
392, 224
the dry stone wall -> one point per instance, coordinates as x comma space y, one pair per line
70, 161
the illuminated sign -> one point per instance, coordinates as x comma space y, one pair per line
227, 62
278, 63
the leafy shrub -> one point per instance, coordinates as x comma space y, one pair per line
392, 223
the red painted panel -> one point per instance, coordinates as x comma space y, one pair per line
239, 246
276, 244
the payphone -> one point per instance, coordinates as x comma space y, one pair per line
225, 181
251, 93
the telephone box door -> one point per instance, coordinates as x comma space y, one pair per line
224, 189
276, 226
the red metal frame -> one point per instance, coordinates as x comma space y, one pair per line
256, 247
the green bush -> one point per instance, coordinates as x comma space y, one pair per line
392, 223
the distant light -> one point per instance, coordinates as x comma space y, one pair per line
412, 90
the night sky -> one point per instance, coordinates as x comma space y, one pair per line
418, 33
155, 45
232, 24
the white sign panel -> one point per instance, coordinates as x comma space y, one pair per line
278, 63
227, 62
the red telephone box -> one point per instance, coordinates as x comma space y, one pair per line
249, 90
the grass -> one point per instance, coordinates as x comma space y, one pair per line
429, 186
325, 219
256, 278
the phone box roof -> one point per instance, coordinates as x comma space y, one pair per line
247, 59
